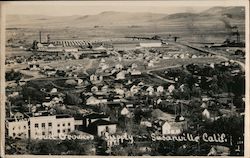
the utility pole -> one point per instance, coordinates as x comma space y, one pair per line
198, 128
29, 104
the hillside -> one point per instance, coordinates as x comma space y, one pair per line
111, 18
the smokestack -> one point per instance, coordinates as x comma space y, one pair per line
48, 38
40, 36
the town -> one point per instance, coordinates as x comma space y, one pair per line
127, 96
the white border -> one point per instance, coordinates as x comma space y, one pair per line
194, 3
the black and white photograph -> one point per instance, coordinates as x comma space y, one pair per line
125, 78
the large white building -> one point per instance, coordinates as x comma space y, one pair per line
39, 127
43, 126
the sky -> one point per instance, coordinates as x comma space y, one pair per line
66, 8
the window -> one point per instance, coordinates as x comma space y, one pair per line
13, 128
58, 131
69, 130
24, 127
36, 125
43, 133
64, 124
64, 131
68, 124
50, 133
58, 125
14, 134
50, 124
43, 125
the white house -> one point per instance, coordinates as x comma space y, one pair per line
206, 114
150, 90
102, 126
92, 101
119, 66
171, 88
134, 89
94, 78
17, 128
125, 112
120, 75
151, 63
160, 89
119, 91
172, 128
135, 72
54, 90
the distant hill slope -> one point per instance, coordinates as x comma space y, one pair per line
109, 18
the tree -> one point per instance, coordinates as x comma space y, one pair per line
12, 75
34, 45
72, 99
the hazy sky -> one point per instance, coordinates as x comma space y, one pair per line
63, 8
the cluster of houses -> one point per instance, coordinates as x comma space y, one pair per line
113, 99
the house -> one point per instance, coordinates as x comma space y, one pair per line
145, 122
100, 127
120, 75
54, 90
159, 101
103, 66
210, 115
125, 112
150, 90
18, 116
22, 82
33, 66
134, 89
119, 66
173, 128
151, 63
171, 88
95, 78
119, 91
135, 72
92, 101
17, 128
204, 105
160, 89
90, 118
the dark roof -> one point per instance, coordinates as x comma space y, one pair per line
63, 116
102, 122
96, 115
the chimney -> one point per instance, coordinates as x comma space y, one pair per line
48, 38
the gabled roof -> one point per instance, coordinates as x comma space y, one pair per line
102, 122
